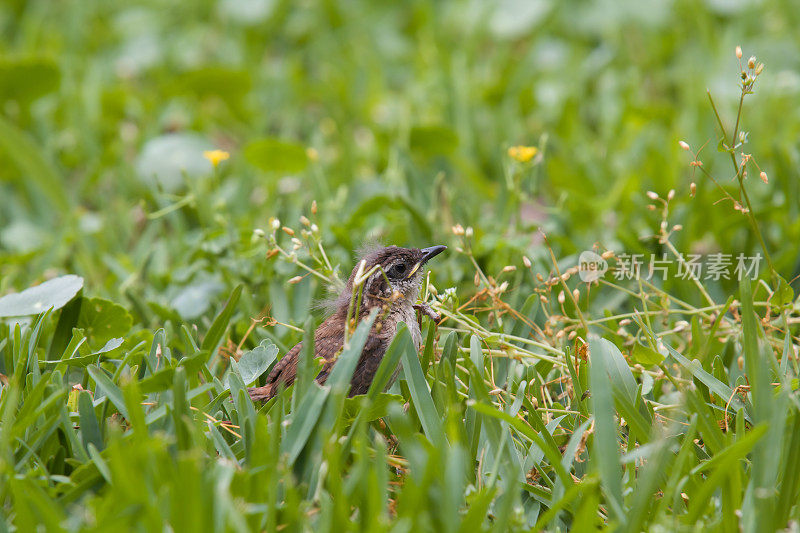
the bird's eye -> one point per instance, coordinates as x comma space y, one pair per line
397, 270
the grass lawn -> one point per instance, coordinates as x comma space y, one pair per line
617, 185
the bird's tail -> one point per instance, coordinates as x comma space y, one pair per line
262, 394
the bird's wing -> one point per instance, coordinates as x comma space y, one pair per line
328, 340
367, 367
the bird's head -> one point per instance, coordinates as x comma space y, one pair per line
394, 270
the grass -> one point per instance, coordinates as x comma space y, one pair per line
160, 285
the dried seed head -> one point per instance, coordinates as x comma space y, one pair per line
608, 254
477, 279
692, 188
651, 207
670, 194
561, 297
677, 227
652, 195
458, 230
751, 63
543, 298
539, 277
740, 362
624, 321
759, 68
684, 145
304, 221
314, 207
738, 52
509, 268
763, 177
576, 294
296, 279
526, 262
288, 231
572, 334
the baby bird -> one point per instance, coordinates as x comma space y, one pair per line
393, 288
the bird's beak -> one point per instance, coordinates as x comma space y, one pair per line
427, 254
430, 253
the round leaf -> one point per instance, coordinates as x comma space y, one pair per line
255, 362
166, 159
54, 293
27, 79
103, 320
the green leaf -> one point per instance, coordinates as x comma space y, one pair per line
423, 402
34, 166
276, 155
229, 84
54, 293
304, 419
784, 294
377, 408
113, 393
158, 381
90, 428
401, 343
102, 320
217, 329
99, 462
27, 79
222, 446
606, 447
723, 391
63, 334
646, 356
255, 362
542, 441
721, 465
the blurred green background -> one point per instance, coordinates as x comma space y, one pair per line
394, 117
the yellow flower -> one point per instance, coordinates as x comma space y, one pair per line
523, 154
216, 156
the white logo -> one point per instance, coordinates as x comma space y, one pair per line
591, 266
